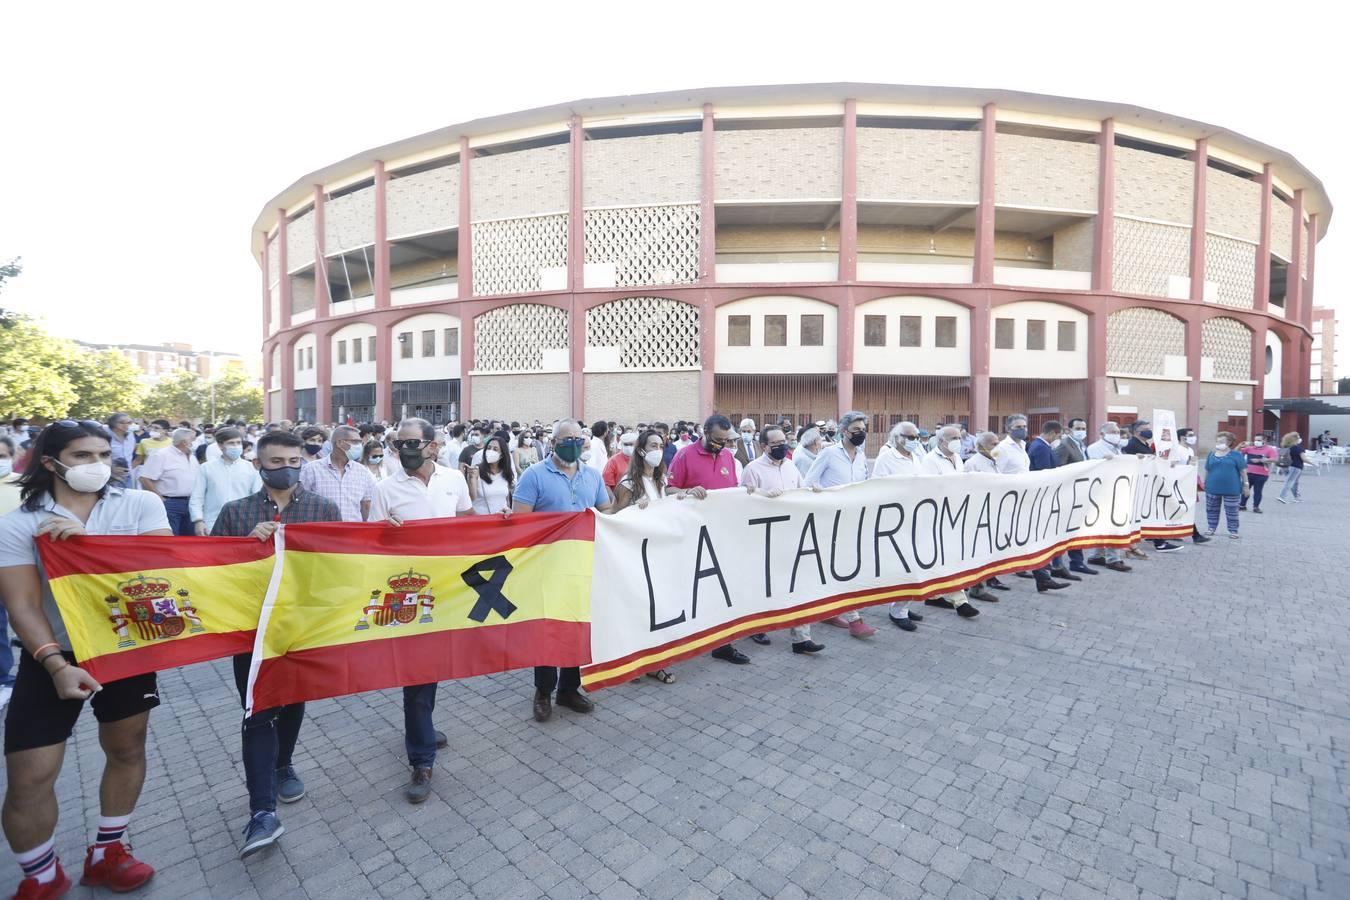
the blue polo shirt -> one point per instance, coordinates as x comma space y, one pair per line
547, 489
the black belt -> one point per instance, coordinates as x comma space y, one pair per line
184, 497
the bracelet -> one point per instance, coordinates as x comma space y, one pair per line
44, 647
64, 665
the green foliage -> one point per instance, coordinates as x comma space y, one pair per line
105, 382
32, 371
186, 395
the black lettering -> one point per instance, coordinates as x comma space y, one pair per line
1004, 541
1030, 509
767, 522
950, 520
700, 573
1184, 507
1056, 512
889, 534
808, 527
834, 547
1116, 501
1074, 505
651, 594
1092, 501
982, 523
914, 533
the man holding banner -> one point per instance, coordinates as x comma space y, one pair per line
270, 735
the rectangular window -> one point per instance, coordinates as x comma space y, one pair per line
1003, 334
1035, 334
911, 331
874, 331
738, 331
775, 331
356, 350
370, 348
452, 342
309, 357
405, 350
342, 353
1068, 336
813, 330
946, 331
299, 360
429, 343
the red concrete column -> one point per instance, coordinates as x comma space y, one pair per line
320, 262
707, 204
287, 378
1200, 192
1097, 369
1261, 297
844, 351
1310, 248
1258, 375
266, 291
576, 231
384, 371
1104, 230
984, 213
464, 267
848, 209
576, 333
707, 338
323, 375
381, 285
284, 287
1293, 300
1194, 318
979, 367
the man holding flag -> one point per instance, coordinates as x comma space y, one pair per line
269, 735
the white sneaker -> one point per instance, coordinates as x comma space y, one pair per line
1281, 499
4, 695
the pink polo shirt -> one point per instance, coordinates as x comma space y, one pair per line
1265, 451
695, 466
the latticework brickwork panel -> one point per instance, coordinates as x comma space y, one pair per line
423, 202
349, 221
509, 254
1232, 266
1137, 339
1146, 254
649, 169
300, 241
514, 338
650, 332
1229, 343
646, 244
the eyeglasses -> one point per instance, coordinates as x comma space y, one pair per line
408, 444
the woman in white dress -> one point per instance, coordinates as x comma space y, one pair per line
492, 489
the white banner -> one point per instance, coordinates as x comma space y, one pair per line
683, 577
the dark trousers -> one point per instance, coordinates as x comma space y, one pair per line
180, 521
547, 678
269, 742
6, 651
1258, 483
419, 735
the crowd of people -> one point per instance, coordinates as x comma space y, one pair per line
127, 476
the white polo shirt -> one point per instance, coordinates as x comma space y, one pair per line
939, 463
1012, 458
406, 496
117, 512
892, 462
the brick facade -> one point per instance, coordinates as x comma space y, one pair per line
648, 169
522, 398
520, 184
779, 164
300, 241
1232, 205
632, 397
1153, 186
349, 221
424, 201
1044, 172
918, 165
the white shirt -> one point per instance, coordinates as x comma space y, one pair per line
939, 463
218, 482
833, 467
1181, 454
978, 462
405, 496
449, 455
803, 459
213, 451
117, 512
599, 456
493, 496
1012, 458
173, 474
1102, 449
892, 462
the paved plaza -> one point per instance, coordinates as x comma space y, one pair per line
1180, 731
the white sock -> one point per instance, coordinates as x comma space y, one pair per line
39, 863
110, 830
899, 610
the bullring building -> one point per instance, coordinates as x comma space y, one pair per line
934, 254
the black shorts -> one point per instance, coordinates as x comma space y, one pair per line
38, 718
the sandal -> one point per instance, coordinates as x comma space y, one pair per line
663, 675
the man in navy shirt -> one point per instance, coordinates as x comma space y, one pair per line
561, 483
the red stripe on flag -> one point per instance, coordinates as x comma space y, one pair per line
173, 652
467, 536
333, 671
104, 554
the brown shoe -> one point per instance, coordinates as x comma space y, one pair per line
419, 788
1136, 553
543, 707
1119, 566
574, 701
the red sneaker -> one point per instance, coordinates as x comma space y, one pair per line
836, 621
29, 889
118, 872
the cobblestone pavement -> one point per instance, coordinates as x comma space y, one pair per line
1180, 731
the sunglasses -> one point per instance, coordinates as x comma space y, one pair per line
72, 423
409, 444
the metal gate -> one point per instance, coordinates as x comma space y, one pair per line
1041, 400
926, 400
354, 403
305, 402
772, 398
435, 401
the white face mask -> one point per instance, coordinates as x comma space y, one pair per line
627, 449
1079, 434
1112, 438
492, 456
87, 478
954, 447
913, 445
6, 467
653, 458
1221, 447
1259, 442
1190, 439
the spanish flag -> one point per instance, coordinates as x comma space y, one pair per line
140, 604
355, 608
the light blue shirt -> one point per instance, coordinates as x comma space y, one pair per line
833, 467
126, 449
802, 459
547, 489
218, 482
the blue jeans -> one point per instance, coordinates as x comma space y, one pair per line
419, 735
1291, 482
6, 651
180, 521
269, 738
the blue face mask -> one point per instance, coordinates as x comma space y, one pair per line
1146, 433
233, 452
282, 479
354, 453
1018, 434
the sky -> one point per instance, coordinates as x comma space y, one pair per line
138, 142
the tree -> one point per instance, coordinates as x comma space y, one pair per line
187, 395
105, 382
32, 370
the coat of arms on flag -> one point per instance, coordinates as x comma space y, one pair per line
407, 592
147, 606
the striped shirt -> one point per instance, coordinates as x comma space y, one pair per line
348, 487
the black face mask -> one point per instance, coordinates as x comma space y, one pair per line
411, 458
778, 452
314, 449
858, 438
